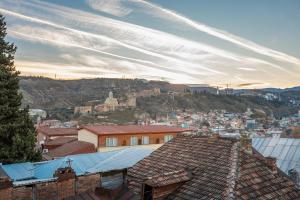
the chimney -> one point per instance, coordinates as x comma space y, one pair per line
246, 143
65, 182
6, 187
271, 164
215, 135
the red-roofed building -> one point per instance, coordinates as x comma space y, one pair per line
119, 136
57, 142
44, 134
70, 148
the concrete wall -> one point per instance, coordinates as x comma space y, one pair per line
87, 136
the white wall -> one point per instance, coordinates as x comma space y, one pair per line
87, 136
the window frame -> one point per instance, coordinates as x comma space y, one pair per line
111, 142
148, 140
131, 140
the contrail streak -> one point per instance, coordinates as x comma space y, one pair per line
104, 38
223, 35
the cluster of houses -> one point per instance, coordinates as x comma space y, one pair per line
185, 166
222, 122
60, 142
184, 155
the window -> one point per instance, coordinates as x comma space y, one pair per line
145, 140
111, 142
147, 193
133, 141
168, 138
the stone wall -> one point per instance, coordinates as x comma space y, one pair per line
46, 191
6, 194
22, 193
87, 183
65, 186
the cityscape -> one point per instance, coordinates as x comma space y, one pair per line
149, 100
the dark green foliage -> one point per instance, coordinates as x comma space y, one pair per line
17, 133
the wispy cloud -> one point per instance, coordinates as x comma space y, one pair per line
172, 15
133, 50
113, 7
247, 69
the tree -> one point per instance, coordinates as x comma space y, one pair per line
17, 133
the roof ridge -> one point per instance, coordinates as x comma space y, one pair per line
233, 171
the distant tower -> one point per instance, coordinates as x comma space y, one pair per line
111, 95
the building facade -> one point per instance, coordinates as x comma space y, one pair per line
106, 138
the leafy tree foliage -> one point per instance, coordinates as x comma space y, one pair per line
17, 133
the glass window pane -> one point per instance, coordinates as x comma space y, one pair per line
145, 140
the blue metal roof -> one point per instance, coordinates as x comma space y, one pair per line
285, 150
19, 171
26, 173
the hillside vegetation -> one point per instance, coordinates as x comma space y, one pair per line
206, 102
47, 93
57, 95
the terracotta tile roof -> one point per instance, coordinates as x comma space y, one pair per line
169, 178
58, 131
221, 170
131, 129
72, 148
60, 141
257, 182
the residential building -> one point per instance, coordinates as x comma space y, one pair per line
70, 148
270, 96
57, 142
83, 110
250, 124
45, 134
37, 115
201, 88
194, 167
119, 136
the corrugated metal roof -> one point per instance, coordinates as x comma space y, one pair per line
19, 171
26, 173
285, 150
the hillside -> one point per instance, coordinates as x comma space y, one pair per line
207, 102
53, 95
47, 93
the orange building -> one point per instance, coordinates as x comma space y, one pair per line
119, 136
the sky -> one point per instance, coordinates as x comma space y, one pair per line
242, 44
